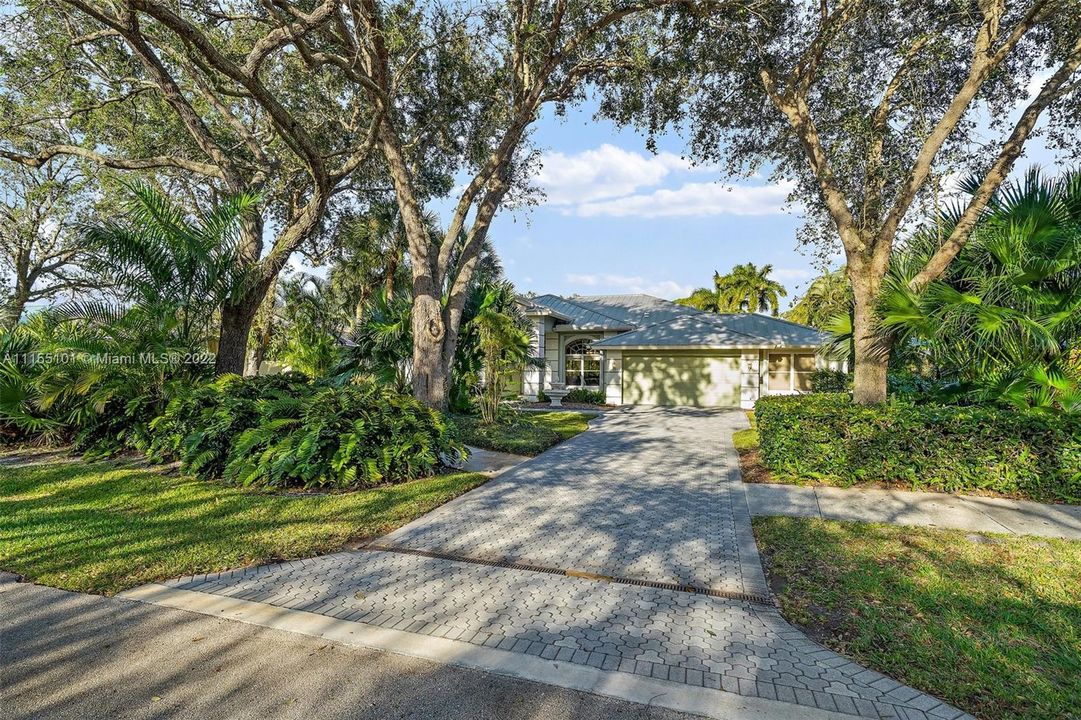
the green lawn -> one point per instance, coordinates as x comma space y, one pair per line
530, 434
747, 439
103, 527
991, 624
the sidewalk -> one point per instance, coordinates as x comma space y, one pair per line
963, 512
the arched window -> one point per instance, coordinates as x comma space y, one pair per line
581, 365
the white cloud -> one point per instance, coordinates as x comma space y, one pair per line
792, 274
693, 200
607, 282
605, 172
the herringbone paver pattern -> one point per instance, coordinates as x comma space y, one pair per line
650, 495
653, 495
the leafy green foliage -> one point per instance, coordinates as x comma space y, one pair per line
584, 396
352, 436
830, 381
283, 431
99, 372
935, 447
503, 345
382, 343
1003, 324
746, 288
199, 426
827, 297
309, 328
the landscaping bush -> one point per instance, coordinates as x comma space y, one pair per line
582, 396
283, 430
353, 436
830, 381
940, 447
199, 426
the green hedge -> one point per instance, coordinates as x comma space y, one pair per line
936, 447
582, 396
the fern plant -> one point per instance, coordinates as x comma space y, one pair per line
353, 436
199, 426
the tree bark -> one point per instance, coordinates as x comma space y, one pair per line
237, 317
429, 332
261, 331
871, 354
12, 310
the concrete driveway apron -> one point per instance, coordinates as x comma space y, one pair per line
628, 549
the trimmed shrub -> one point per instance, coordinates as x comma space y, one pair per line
582, 396
936, 447
830, 381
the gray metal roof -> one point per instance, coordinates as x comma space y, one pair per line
711, 330
613, 312
647, 321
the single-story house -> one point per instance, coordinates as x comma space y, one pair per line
642, 350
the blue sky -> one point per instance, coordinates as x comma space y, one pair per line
618, 218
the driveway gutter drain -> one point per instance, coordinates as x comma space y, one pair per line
676, 587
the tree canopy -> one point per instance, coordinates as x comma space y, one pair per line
867, 106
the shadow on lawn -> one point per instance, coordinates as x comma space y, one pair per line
102, 527
991, 624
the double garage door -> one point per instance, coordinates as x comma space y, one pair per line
698, 379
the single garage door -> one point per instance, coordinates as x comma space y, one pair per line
699, 379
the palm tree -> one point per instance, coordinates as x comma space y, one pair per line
382, 343
748, 288
701, 299
124, 360
828, 296
158, 256
1004, 323
502, 343
311, 322
372, 256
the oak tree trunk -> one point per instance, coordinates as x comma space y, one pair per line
430, 373
237, 317
871, 354
12, 310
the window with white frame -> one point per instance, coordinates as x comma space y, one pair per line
581, 365
790, 372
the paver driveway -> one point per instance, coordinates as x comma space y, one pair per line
647, 496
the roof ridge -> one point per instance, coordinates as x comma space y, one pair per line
698, 316
613, 319
778, 318
645, 295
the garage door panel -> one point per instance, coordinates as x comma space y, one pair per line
689, 379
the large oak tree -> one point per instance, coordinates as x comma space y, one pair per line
458, 86
213, 97
40, 253
868, 105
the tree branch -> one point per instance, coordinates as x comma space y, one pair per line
985, 58
1053, 89
148, 163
